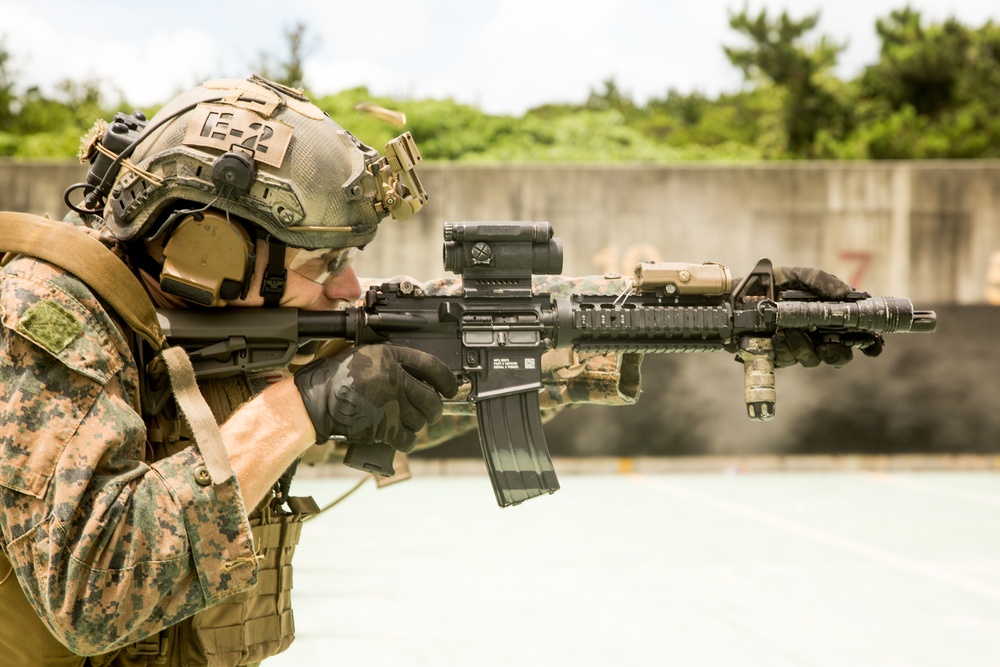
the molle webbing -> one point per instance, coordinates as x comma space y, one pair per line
258, 623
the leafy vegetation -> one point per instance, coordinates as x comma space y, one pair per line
934, 92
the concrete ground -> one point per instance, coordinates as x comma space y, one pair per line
727, 568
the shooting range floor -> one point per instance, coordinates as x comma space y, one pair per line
879, 568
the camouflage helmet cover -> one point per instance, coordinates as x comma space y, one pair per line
313, 186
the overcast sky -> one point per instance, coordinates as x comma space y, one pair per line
502, 55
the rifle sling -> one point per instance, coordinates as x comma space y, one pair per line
88, 259
197, 413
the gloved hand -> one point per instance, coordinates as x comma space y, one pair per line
819, 282
375, 394
794, 346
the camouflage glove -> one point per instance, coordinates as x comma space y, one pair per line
794, 346
379, 394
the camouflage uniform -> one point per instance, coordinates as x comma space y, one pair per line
109, 531
108, 547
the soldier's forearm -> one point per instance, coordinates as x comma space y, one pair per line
265, 436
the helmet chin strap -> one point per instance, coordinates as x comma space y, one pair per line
272, 285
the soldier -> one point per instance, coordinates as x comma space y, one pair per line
135, 529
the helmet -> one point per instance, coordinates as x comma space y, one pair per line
262, 152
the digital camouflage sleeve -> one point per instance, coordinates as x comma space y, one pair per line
108, 548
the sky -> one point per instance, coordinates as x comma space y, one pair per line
504, 56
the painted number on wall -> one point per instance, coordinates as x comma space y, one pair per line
860, 261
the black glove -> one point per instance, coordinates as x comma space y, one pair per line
375, 394
819, 282
794, 346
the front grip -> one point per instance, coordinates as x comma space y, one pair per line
757, 354
513, 443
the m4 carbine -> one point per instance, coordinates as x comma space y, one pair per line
493, 332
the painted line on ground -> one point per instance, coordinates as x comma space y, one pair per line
868, 551
908, 482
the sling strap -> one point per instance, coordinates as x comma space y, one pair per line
73, 250
197, 413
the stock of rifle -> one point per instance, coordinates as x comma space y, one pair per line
492, 334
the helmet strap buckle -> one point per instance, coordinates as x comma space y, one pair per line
272, 285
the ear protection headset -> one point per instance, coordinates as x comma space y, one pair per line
208, 257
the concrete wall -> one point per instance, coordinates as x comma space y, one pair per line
37, 187
925, 230
921, 229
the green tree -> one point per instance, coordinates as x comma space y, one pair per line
288, 69
7, 96
728, 126
934, 92
778, 56
50, 125
611, 97
918, 66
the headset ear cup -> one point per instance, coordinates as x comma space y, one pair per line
208, 260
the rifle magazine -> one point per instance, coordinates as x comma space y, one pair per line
517, 458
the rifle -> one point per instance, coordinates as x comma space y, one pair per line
494, 332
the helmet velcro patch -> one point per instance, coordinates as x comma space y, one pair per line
223, 128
